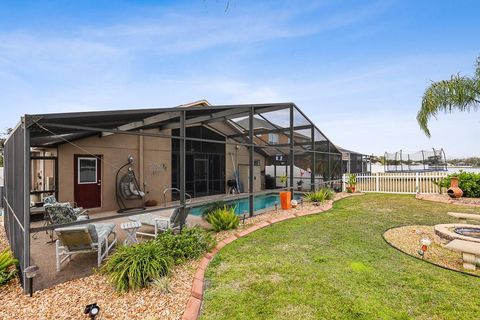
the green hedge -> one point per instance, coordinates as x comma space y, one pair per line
469, 183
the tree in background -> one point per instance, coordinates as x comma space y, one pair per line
460, 92
2, 140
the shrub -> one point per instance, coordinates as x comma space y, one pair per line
320, 195
189, 244
7, 262
223, 219
212, 206
134, 267
467, 181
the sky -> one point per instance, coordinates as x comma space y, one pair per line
358, 69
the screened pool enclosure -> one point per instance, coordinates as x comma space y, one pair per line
153, 160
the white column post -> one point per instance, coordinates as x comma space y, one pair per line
417, 185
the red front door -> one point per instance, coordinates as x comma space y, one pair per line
88, 181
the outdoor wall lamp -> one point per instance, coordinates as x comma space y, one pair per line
31, 272
92, 310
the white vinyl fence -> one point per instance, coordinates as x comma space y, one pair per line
401, 182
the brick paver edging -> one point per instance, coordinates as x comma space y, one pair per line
194, 304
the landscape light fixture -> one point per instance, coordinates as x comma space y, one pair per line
92, 310
425, 244
31, 272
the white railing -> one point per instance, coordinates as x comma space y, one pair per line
401, 182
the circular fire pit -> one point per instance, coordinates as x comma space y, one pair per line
468, 232
462, 231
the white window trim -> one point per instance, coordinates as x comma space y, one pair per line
78, 169
271, 140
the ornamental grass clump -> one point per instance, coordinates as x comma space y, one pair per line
223, 219
7, 267
215, 205
135, 267
190, 243
320, 195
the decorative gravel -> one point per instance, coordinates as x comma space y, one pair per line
407, 239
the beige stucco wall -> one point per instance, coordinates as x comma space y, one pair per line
114, 150
156, 165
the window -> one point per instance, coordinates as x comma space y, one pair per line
273, 138
87, 170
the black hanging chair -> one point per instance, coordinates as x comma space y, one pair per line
128, 188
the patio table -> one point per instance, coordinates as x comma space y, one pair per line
131, 229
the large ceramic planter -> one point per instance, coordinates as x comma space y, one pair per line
285, 198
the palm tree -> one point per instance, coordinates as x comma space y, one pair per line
460, 92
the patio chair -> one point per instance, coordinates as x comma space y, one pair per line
52, 200
159, 223
60, 213
84, 239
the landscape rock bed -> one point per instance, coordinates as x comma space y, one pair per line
444, 198
407, 239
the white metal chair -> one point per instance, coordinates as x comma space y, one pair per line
84, 239
160, 223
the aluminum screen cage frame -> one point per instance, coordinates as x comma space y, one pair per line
420, 161
306, 144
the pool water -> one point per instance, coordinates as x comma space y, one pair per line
261, 202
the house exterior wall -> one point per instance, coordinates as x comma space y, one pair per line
154, 172
114, 150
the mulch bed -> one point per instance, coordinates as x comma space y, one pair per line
444, 198
407, 239
67, 300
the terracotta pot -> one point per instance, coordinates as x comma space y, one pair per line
285, 197
454, 191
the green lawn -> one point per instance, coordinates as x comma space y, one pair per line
335, 265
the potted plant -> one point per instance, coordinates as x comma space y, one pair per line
285, 196
351, 183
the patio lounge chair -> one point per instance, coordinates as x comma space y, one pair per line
84, 239
59, 213
52, 200
173, 222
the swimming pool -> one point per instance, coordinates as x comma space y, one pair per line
260, 203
